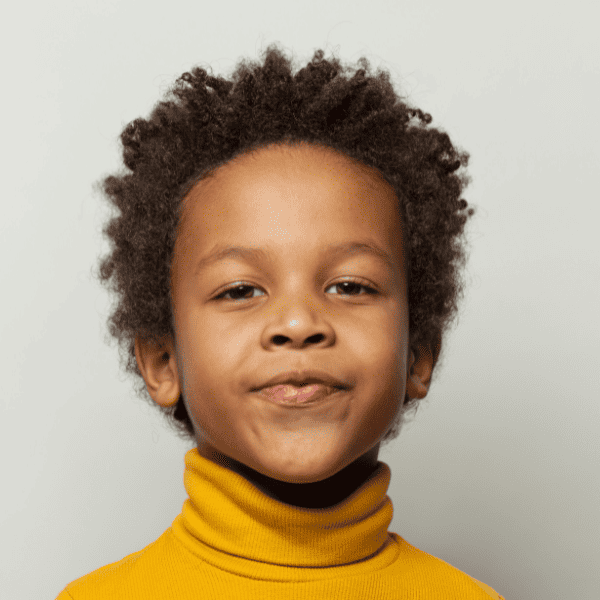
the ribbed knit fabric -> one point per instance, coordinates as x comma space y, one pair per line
232, 541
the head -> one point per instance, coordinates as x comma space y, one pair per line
291, 167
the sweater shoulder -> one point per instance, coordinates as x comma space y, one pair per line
105, 582
491, 592
451, 581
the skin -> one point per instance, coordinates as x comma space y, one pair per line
293, 201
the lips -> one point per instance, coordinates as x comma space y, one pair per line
291, 394
304, 378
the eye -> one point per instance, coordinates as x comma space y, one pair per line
235, 291
241, 291
352, 284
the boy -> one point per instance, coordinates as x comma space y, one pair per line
285, 259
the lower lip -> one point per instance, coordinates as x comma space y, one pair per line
307, 395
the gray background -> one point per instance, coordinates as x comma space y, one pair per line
499, 472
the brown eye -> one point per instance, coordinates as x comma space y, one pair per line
238, 292
347, 288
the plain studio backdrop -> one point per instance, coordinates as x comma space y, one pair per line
499, 472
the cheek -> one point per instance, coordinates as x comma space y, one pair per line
385, 380
381, 350
216, 353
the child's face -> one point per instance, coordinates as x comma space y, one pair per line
293, 203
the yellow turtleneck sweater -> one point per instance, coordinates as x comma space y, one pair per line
233, 542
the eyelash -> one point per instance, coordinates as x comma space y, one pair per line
371, 291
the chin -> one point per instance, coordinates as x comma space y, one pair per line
301, 474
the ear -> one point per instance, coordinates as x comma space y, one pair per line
421, 367
158, 365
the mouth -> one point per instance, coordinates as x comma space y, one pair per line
292, 395
304, 379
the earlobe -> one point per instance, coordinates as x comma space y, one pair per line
167, 393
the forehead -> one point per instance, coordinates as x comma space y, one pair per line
304, 195
303, 167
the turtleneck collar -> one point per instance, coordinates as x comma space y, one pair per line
226, 516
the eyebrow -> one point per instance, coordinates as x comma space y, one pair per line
333, 252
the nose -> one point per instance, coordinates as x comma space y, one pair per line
302, 331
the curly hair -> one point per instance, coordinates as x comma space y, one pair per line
205, 122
